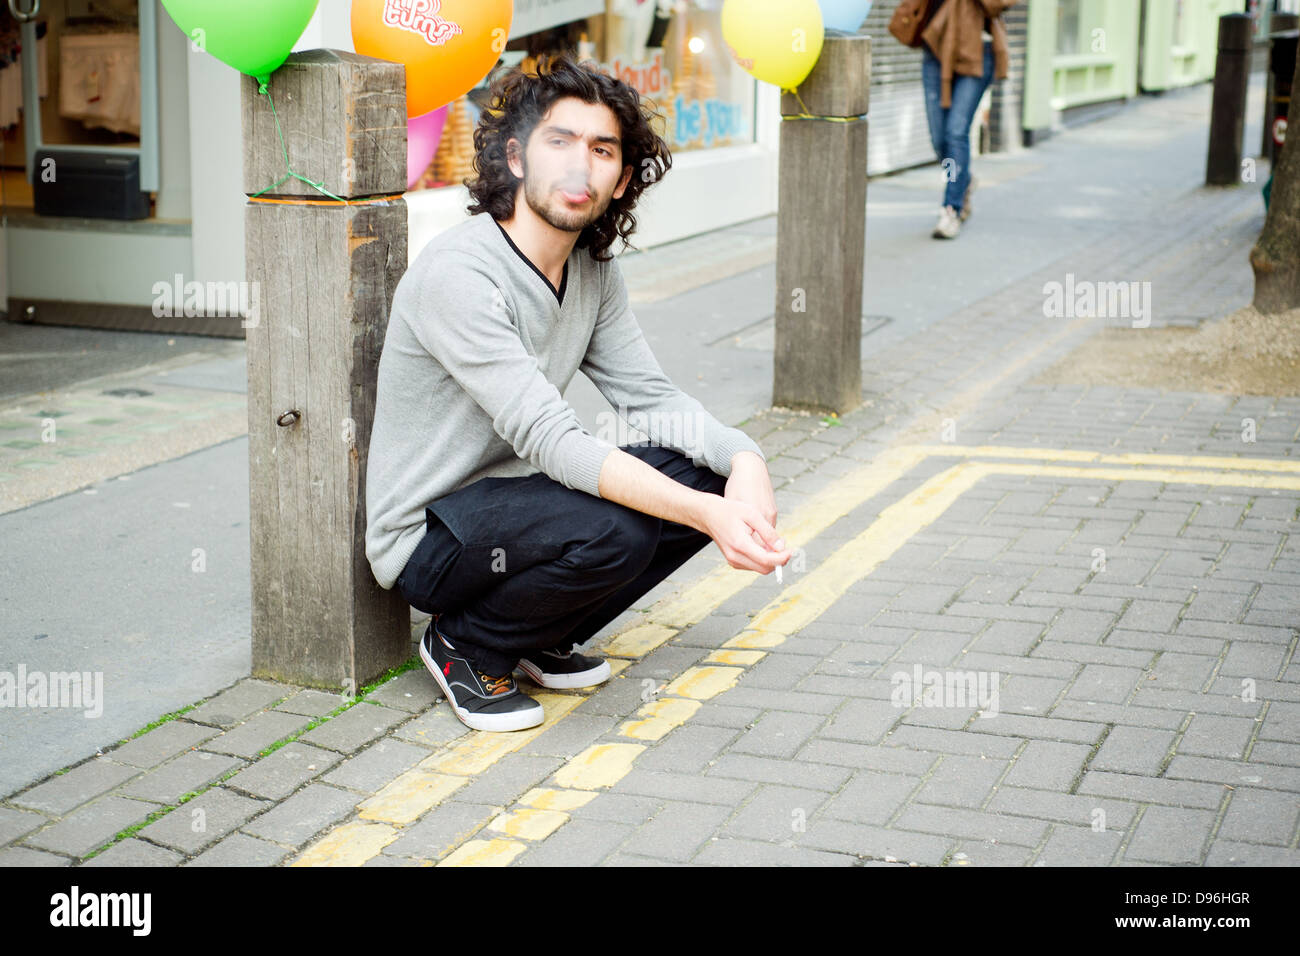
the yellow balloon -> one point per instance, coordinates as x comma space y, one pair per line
777, 41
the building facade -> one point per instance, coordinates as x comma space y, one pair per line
1070, 59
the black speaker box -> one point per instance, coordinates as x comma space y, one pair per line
89, 184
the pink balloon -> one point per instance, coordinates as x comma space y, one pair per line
423, 133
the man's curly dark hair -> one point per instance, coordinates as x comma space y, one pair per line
517, 102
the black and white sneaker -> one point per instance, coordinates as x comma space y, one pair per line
480, 701
550, 669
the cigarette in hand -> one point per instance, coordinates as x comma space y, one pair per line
778, 574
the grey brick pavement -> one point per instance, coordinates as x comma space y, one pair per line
60, 794
91, 826
188, 772
202, 820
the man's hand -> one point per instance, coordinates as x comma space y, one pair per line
750, 484
741, 530
742, 534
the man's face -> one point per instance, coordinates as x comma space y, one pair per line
573, 167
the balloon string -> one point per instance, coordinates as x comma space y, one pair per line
263, 88
807, 115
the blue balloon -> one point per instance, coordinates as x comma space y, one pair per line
845, 15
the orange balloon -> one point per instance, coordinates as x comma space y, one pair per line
448, 46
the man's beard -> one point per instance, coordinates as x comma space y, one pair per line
560, 218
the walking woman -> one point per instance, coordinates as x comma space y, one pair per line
964, 49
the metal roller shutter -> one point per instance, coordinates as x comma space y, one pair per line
898, 136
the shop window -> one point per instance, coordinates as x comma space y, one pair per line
89, 80
676, 57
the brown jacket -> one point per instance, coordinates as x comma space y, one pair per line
953, 35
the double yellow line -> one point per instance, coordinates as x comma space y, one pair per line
541, 811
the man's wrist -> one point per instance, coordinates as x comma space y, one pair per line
697, 514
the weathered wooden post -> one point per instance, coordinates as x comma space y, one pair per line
323, 271
821, 226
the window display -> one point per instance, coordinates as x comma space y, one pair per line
673, 53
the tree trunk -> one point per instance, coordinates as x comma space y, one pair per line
1276, 256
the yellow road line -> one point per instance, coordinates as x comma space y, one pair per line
479, 749
409, 796
704, 681
848, 492
484, 853
825, 507
548, 798
803, 601
1182, 476
636, 642
600, 766
420, 789
659, 717
1125, 458
529, 823
807, 598
349, 845
725, 655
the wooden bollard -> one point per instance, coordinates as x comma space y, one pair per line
324, 272
821, 226
1228, 104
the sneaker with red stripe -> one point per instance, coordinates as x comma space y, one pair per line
480, 701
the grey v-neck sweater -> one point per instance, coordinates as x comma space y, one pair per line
479, 349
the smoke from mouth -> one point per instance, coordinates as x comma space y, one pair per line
575, 183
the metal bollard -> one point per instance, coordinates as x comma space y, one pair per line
1228, 112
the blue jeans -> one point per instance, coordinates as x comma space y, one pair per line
519, 565
950, 128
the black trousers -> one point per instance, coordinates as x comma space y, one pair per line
516, 565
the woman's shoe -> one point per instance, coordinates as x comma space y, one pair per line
948, 225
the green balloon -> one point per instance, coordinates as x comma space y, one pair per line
253, 36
